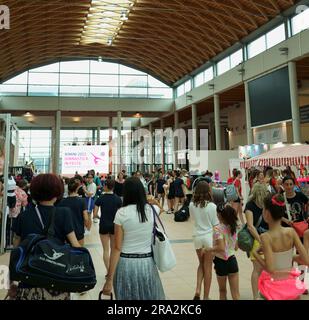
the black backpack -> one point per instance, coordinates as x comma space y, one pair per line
43, 261
182, 215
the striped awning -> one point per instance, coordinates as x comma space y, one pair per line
293, 155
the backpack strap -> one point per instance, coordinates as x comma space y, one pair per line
48, 230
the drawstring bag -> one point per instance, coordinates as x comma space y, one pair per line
290, 288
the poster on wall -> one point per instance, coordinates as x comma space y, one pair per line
84, 158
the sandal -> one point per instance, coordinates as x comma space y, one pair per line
197, 297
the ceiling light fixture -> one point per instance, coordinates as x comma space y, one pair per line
123, 16
137, 115
104, 20
110, 41
27, 114
100, 59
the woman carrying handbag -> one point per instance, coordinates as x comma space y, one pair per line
132, 269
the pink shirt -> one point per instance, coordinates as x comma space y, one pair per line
21, 201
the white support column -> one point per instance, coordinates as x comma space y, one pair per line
151, 168
98, 136
175, 140
194, 126
16, 149
162, 144
217, 121
294, 102
57, 143
119, 147
250, 139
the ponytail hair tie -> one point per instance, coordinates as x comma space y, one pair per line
275, 202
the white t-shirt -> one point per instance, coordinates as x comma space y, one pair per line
205, 218
137, 236
92, 188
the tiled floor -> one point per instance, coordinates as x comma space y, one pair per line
179, 284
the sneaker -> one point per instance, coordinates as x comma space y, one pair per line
96, 220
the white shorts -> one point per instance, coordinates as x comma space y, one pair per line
203, 242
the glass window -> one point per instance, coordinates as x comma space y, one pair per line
104, 67
127, 70
104, 91
153, 82
275, 36
38, 90
300, 22
133, 81
236, 58
208, 74
223, 65
54, 67
44, 78
13, 89
20, 79
160, 93
133, 92
72, 76
75, 91
188, 86
104, 80
199, 79
256, 47
181, 90
81, 66
74, 79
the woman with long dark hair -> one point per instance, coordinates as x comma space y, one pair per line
205, 216
132, 269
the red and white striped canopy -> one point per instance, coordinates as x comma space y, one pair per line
293, 155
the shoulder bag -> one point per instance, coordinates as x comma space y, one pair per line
43, 261
163, 253
245, 238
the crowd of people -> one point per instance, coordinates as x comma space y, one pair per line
123, 206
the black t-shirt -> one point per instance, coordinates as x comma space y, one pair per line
77, 206
257, 212
297, 206
118, 189
109, 204
28, 222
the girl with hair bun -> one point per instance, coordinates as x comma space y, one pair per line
278, 280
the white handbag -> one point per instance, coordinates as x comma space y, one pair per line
163, 253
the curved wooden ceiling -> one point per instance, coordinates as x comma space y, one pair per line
167, 39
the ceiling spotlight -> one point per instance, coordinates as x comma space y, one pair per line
76, 119
100, 59
137, 115
27, 114
109, 41
123, 16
